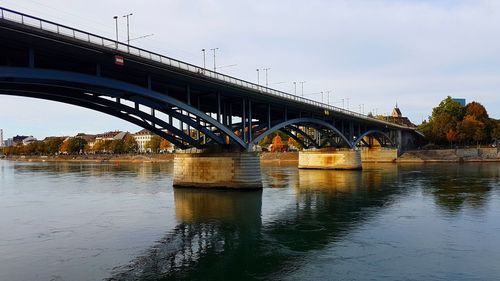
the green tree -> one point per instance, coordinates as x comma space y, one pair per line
444, 118
153, 144
495, 133
265, 141
117, 146
76, 145
52, 145
451, 107
130, 144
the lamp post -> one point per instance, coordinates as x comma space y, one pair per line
116, 28
258, 80
328, 97
214, 49
128, 27
204, 61
295, 88
302, 84
266, 69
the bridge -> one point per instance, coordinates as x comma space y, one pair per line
194, 108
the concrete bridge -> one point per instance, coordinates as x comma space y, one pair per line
217, 120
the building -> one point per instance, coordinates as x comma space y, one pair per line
90, 139
18, 140
142, 137
108, 136
9, 142
1, 138
398, 118
29, 140
461, 101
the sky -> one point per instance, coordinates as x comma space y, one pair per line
371, 54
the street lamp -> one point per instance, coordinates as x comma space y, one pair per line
214, 49
128, 27
302, 83
204, 61
116, 27
266, 69
295, 88
258, 82
328, 97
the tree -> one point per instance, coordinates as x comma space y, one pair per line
477, 110
277, 144
65, 146
444, 118
153, 144
471, 129
265, 141
116, 146
451, 107
130, 144
495, 133
451, 136
164, 145
52, 145
293, 143
77, 145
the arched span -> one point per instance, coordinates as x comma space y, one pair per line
372, 132
57, 77
305, 120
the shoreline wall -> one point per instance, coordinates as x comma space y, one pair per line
413, 156
452, 155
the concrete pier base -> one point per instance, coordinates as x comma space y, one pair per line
379, 155
238, 170
330, 159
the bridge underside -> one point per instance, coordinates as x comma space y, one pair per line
238, 124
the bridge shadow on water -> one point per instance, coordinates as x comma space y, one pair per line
221, 235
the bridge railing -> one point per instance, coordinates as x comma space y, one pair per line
49, 26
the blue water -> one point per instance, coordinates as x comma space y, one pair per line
81, 221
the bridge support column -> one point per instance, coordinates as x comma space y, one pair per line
330, 159
379, 154
238, 170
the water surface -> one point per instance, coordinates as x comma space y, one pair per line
81, 221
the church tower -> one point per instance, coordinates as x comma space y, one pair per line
396, 112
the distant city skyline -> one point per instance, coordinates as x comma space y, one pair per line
374, 54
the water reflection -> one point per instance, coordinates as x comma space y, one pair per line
217, 234
86, 169
462, 187
220, 235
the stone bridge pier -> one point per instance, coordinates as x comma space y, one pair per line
336, 159
233, 170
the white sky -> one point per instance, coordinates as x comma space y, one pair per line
372, 52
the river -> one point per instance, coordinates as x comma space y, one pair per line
88, 221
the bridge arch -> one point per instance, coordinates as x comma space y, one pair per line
372, 132
296, 121
87, 91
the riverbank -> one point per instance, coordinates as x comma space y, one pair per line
97, 158
451, 155
416, 156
